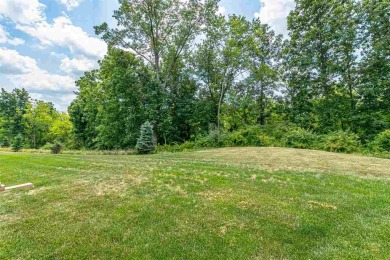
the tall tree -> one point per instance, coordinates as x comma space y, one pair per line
13, 105
61, 130
131, 96
264, 54
84, 109
374, 85
322, 62
38, 121
221, 59
159, 31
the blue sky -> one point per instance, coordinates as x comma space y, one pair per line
45, 45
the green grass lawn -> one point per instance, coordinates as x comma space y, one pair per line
233, 203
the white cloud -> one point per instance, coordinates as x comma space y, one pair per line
23, 71
64, 34
6, 38
60, 100
43, 80
274, 13
70, 4
11, 62
22, 11
77, 65
16, 41
221, 10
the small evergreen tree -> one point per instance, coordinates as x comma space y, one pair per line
145, 143
17, 145
56, 148
5, 142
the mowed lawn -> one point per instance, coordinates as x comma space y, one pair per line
233, 203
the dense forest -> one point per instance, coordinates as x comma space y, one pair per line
211, 80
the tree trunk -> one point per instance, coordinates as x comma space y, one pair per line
219, 112
261, 119
155, 134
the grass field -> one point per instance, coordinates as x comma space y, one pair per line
233, 203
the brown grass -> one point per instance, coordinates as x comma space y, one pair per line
281, 159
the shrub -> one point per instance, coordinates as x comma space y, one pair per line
145, 143
382, 142
17, 144
56, 148
187, 146
47, 146
253, 136
210, 140
341, 141
278, 130
5, 142
268, 140
249, 136
173, 148
301, 138
235, 139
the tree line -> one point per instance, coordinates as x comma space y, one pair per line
193, 73
32, 123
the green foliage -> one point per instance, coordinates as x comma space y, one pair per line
145, 143
187, 146
5, 142
301, 138
382, 142
248, 136
83, 110
17, 144
330, 75
38, 120
341, 141
61, 129
13, 106
374, 69
56, 148
283, 136
47, 146
321, 63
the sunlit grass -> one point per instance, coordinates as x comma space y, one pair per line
232, 203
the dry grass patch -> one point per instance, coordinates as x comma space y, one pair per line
282, 159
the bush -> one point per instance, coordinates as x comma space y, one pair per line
301, 138
145, 143
47, 146
56, 148
5, 142
17, 144
341, 141
210, 140
250, 136
235, 139
278, 131
173, 148
382, 142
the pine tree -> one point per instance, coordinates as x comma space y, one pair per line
145, 143
17, 145
56, 148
